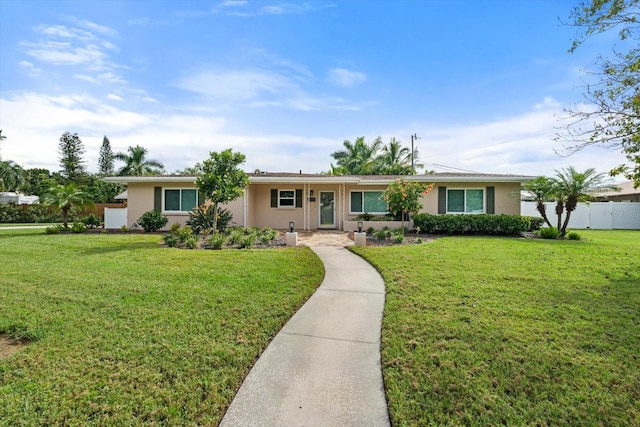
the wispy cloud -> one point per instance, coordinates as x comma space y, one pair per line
260, 88
85, 48
345, 78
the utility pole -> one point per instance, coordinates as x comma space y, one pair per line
414, 137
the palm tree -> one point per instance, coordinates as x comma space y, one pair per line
136, 163
66, 197
543, 190
358, 158
396, 159
11, 176
573, 187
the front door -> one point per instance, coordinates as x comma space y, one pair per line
327, 207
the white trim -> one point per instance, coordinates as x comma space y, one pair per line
341, 179
293, 199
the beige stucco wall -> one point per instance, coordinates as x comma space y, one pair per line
259, 212
140, 200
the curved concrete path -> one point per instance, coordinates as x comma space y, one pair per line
323, 367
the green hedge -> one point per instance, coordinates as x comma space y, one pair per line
484, 224
12, 213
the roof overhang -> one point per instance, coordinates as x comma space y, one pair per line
335, 179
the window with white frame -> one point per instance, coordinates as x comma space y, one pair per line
286, 198
367, 202
467, 200
180, 199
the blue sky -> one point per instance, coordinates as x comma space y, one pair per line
482, 83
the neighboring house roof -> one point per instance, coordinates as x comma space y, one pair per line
122, 196
267, 177
624, 189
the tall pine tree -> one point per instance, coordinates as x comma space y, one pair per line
71, 150
105, 159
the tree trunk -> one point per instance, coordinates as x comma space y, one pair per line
559, 210
215, 218
65, 217
566, 223
542, 209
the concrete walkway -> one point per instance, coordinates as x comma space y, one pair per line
322, 368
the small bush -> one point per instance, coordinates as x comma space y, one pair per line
572, 235
248, 240
234, 237
398, 237
171, 240
91, 221
152, 220
380, 235
549, 233
370, 231
55, 229
216, 241
78, 227
202, 217
124, 229
364, 217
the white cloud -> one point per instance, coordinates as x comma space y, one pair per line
345, 78
114, 97
235, 85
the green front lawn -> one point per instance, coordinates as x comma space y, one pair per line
124, 332
493, 331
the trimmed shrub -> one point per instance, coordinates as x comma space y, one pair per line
216, 241
549, 233
482, 224
572, 235
55, 229
91, 221
78, 227
152, 220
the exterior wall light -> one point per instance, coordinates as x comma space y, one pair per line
292, 225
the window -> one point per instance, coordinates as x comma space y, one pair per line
286, 198
368, 202
465, 201
180, 200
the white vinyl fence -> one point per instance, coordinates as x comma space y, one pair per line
596, 215
115, 217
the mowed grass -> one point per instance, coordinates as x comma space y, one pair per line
506, 331
125, 332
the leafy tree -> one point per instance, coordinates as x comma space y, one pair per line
102, 191
357, 158
572, 186
71, 149
11, 176
105, 158
66, 197
37, 181
221, 180
543, 188
614, 119
403, 197
137, 164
